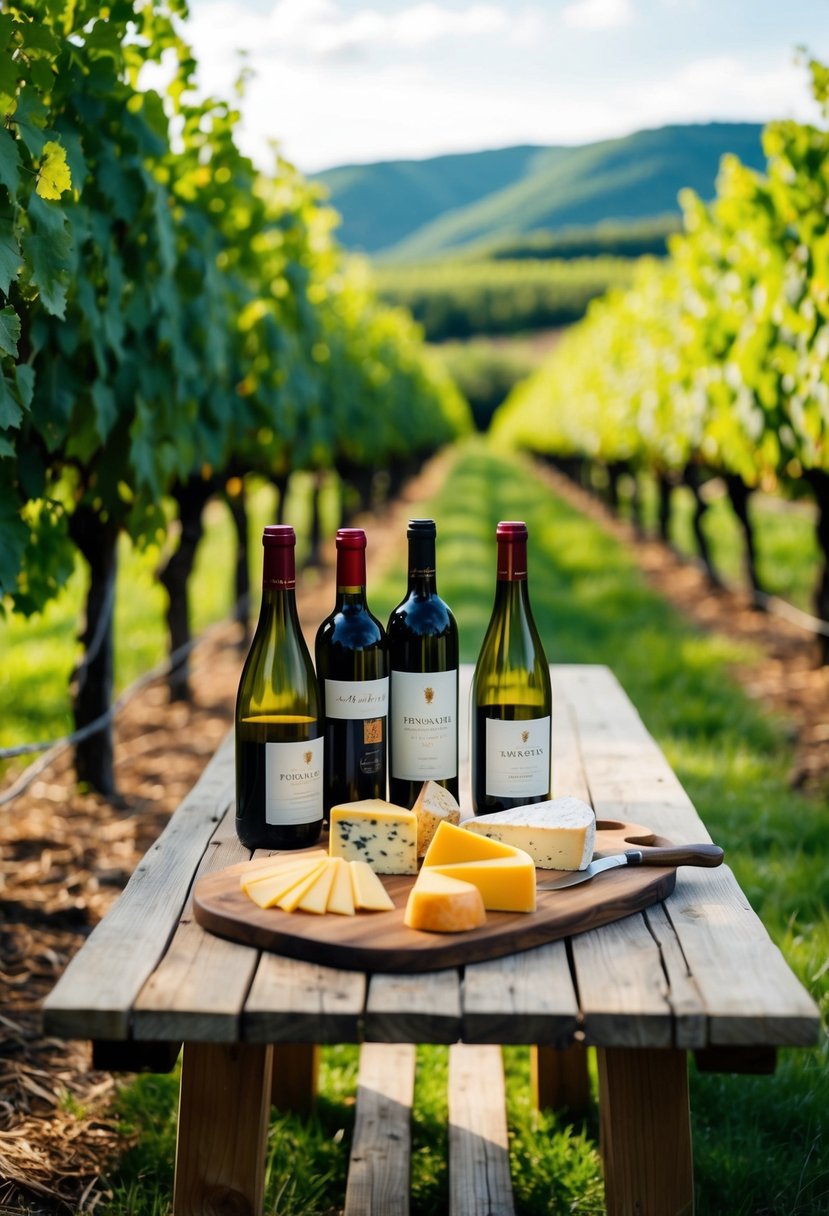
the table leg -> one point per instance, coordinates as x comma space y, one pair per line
559, 1078
222, 1129
294, 1077
645, 1125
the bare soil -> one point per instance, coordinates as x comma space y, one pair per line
67, 854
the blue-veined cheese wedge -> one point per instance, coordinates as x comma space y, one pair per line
376, 832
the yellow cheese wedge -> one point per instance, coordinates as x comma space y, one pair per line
452, 843
433, 805
263, 867
507, 884
290, 901
369, 892
341, 897
315, 898
440, 904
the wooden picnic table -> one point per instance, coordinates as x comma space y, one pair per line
697, 973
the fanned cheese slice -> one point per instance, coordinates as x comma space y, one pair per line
267, 891
507, 884
440, 904
452, 843
559, 834
264, 867
369, 892
341, 897
290, 901
315, 898
433, 805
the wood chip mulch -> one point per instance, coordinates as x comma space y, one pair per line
66, 855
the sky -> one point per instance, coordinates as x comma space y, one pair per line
351, 81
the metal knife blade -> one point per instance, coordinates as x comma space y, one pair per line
659, 855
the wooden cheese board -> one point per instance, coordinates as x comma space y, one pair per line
379, 941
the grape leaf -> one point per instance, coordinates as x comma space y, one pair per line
10, 256
9, 163
53, 176
9, 331
15, 535
10, 411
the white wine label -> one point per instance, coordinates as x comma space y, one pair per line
354, 699
517, 757
423, 730
293, 782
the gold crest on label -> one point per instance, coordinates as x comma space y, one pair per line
525, 734
308, 757
429, 694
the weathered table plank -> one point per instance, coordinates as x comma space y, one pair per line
379, 1167
94, 996
522, 998
479, 1177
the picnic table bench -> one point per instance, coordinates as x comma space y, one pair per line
697, 973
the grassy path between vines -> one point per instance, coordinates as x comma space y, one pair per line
759, 1142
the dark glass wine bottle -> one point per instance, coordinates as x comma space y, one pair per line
353, 672
511, 696
423, 695
279, 741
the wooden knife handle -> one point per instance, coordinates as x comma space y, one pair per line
678, 855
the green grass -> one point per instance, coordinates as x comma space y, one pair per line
759, 1142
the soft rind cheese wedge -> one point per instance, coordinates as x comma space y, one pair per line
433, 805
440, 904
507, 884
376, 832
559, 834
341, 898
268, 891
369, 893
452, 843
315, 898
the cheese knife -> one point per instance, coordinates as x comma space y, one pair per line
658, 855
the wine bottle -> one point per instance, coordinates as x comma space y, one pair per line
423, 695
353, 670
279, 740
511, 696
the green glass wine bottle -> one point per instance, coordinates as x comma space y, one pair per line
511, 694
279, 737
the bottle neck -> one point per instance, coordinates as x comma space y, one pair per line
512, 560
422, 566
279, 582
351, 577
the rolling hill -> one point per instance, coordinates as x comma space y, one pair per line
418, 209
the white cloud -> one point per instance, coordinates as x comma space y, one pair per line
598, 14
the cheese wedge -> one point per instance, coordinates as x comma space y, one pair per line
452, 843
341, 897
507, 884
439, 904
433, 805
369, 893
377, 832
290, 901
268, 891
315, 898
558, 834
